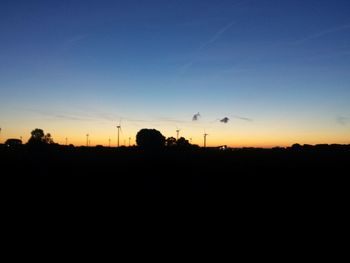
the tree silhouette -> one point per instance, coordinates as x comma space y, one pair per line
39, 138
170, 142
48, 139
183, 143
150, 139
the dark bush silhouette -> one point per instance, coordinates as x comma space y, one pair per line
48, 139
170, 142
180, 144
150, 139
183, 143
39, 138
296, 146
13, 142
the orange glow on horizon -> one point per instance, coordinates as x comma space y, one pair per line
264, 139
263, 133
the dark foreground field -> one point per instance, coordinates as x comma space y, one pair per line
297, 194
293, 171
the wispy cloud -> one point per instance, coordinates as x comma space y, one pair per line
98, 116
322, 33
225, 120
67, 117
171, 120
71, 42
216, 36
196, 117
242, 118
342, 120
59, 115
205, 45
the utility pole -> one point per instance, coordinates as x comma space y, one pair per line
66, 141
129, 141
177, 134
109, 142
118, 127
87, 140
205, 140
0, 135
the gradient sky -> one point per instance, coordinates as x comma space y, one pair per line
279, 70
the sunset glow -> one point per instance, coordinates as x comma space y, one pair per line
83, 67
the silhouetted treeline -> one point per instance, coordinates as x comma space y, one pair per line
245, 170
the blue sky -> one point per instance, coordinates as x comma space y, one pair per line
77, 67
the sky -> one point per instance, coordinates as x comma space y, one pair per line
279, 71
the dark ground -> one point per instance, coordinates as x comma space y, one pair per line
297, 195
290, 172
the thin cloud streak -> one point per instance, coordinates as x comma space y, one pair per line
205, 45
171, 120
322, 33
226, 119
74, 116
99, 116
73, 41
242, 118
341, 120
216, 36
